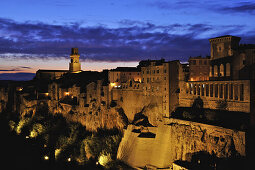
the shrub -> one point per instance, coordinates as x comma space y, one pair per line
22, 123
12, 125
37, 130
104, 158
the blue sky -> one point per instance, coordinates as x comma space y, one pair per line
39, 34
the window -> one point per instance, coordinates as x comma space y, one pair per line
228, 69
221, 70
211, 90
236, 91
164, 70
200, 62
190, 89
205, 62
215, 70
216, 90
203, 90
231, 91
207, 89
211, 71
195, 89
241, 92
194, 62
157, 71
148, 80
226, 91
198, 89
221, 90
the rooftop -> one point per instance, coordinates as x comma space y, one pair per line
225, 36
40, 70
126, 69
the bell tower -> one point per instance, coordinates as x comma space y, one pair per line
74, 65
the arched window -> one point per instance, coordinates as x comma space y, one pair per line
228, 69
221, 70
215, 70
211, 74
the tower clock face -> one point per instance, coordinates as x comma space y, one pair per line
75, 61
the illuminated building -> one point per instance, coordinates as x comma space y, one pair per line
123, 74
160, 78
74, 65
199, 68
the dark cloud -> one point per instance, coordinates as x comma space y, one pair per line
10, 70
25, 67
180, 4
14, 69
243, 7
17, 76
132, 41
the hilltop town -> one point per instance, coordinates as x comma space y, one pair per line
169, 111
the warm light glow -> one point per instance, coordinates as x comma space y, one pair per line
113, 84
67, 93
46, 94
57, 152
69, 159
33, 134
104, 159
77, 72
19, 88
27, 137
46, 157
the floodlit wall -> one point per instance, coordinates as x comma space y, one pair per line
178, 141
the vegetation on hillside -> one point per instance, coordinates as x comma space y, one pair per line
63, 142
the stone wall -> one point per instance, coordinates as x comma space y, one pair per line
134, 101
178, 140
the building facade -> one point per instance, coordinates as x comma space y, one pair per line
199, 68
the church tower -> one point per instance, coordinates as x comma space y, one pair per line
74, 65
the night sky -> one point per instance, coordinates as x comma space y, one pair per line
110, 33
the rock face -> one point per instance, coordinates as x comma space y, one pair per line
178, 140
134, 102
105, 118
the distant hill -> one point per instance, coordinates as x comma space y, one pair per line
17, 76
